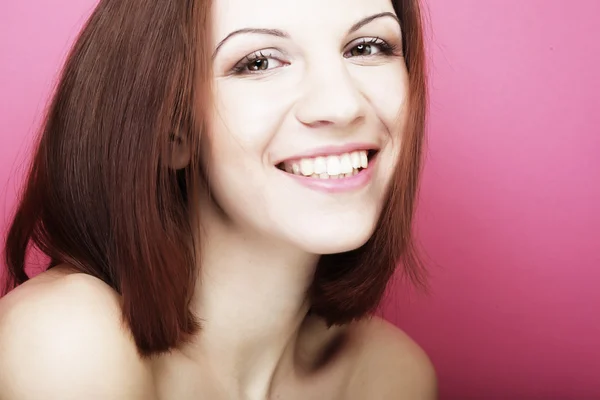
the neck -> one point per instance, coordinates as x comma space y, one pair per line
251, 299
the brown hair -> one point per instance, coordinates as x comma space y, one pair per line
101, 198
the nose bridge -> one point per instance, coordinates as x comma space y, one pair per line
329, 94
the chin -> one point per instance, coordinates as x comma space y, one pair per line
328, 231
335, 241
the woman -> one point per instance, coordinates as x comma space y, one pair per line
224, 191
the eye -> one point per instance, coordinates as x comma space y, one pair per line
256, 63
366, 47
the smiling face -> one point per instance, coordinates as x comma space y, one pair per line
309, 106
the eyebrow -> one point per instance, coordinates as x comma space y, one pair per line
282, 34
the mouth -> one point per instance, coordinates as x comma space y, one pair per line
334, 166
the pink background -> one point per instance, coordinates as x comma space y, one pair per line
510, 202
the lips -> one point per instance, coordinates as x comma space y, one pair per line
336, 183
330, 162
334, 166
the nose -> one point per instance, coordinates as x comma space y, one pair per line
330, 96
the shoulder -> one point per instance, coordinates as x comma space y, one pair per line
390, 364
66, 331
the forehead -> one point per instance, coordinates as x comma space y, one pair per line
292, 15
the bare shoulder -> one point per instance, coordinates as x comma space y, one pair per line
390, 364
66, 331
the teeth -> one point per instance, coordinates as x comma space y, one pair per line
333, 165
355, 159
345, 164
320, 165
364, 161
330, 167
307, 167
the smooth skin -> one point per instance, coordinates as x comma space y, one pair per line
61, 338
321, 83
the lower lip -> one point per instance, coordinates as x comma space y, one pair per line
338, 185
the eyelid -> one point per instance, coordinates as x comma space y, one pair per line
386, 47
270, 52
257, 55
369, 40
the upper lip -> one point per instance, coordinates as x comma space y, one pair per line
331, 151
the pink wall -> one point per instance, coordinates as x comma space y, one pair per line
510, 208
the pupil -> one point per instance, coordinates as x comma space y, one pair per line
259, 65
362, 49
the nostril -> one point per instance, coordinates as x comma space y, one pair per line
317, 124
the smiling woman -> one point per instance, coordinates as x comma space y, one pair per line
239, 186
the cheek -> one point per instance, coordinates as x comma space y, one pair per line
244, 117
241, 129
387, 93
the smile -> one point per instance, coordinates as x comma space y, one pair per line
335, 173
339, 166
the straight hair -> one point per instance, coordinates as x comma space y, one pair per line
101, 198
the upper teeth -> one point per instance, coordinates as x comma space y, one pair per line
333, 165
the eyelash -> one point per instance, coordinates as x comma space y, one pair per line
385, 49
240, 67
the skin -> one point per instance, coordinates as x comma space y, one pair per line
259, 254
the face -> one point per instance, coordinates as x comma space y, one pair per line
309, 108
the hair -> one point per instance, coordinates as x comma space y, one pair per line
101, 198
